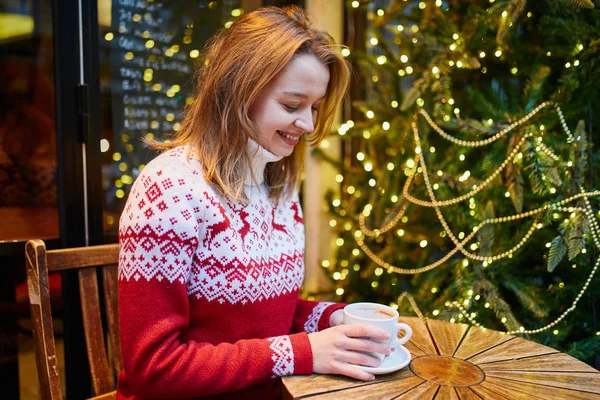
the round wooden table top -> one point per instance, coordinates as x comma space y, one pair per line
458, 361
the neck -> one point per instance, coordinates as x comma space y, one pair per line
259, 158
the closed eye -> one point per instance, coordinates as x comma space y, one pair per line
290, 108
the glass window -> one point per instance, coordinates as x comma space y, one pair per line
148, 51
28, 187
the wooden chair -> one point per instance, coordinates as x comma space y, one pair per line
87, 261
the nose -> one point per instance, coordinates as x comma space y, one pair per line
306, 121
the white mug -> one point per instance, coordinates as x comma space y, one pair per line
380, 316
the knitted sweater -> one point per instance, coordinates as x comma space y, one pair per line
208, 287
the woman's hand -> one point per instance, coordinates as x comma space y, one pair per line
334, 348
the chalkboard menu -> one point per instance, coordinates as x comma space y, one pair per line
149, 53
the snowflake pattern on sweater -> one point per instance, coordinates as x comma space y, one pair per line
214, 281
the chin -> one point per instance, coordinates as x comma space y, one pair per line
287, 153
282, 151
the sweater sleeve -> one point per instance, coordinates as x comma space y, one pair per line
158, 238
313, 316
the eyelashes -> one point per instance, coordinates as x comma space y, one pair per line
293, 109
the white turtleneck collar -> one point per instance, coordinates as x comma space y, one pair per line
259, 157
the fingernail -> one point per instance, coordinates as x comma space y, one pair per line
387, 336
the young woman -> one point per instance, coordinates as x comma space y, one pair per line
212, 237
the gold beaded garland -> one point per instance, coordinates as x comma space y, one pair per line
419, 160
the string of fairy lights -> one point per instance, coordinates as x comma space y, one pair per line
456, 58
460, 245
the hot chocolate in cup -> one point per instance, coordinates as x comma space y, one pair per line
380, 316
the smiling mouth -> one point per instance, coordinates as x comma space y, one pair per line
290, 137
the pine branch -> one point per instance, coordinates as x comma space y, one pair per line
533, 89
535, 179
580, 3
486, 234
558, 249
577, 229
514, 177
490, 293
469, 126
541, 169
413, 94
585, 350
486, 104
513, 12
515, 188
525, 296
580, 150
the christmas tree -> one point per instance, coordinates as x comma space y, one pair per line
467, 180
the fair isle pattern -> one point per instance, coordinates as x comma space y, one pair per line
312, 323
283, 356
135, 263
175, 227
247, 282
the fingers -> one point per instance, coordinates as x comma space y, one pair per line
353, 372
359, 358
366, 331
368, 346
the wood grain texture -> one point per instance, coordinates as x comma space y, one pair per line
581, 381
41, 317
478, 340
425, 390
80, 257
107, 396
486, 365
447, 371
86, 261
511, 349
446, 336
548, 362
385, 390
297, 386
539, 391
421, 340
465, 393
446, 393
486, 392
93, 330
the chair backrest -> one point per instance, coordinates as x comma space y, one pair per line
89, 263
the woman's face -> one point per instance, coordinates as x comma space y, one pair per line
286, 108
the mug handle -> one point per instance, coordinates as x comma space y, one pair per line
407, 335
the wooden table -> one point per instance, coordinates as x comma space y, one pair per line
458, 361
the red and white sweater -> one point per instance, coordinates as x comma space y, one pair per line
208, 287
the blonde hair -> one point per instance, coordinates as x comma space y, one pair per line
237, 64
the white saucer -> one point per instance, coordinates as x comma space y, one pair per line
395, 361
